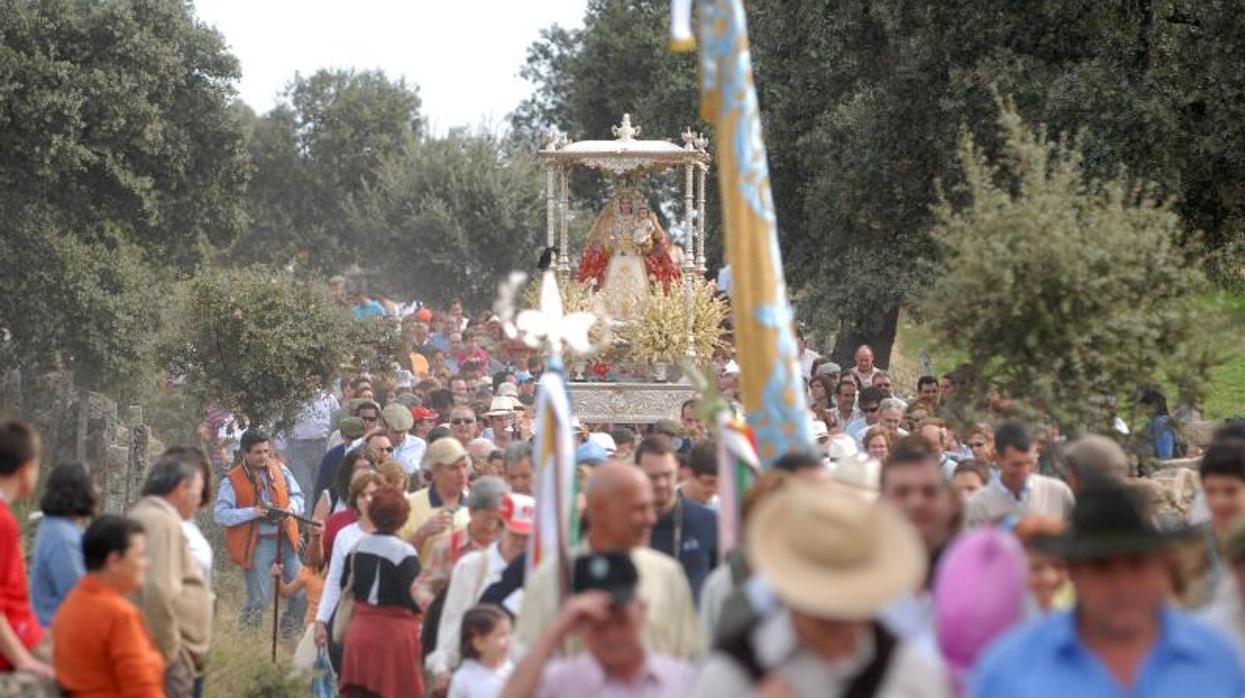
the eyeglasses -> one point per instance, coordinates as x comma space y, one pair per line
462, 420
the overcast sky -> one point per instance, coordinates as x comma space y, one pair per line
465, 55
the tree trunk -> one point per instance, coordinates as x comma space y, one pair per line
84, 414
877, 329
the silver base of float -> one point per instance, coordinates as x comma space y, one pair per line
628, 403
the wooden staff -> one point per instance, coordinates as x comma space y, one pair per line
276, 588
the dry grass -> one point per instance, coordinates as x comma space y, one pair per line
240, 663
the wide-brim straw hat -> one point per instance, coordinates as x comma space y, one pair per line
833, 554
861, 473
500, 407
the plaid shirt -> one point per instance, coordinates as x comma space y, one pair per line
435, 574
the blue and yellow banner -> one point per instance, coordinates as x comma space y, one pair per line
765, 348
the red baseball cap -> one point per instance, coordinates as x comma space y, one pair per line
517, 512
421, 413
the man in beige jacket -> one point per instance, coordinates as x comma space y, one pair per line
174, 599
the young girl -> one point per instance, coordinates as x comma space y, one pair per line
310, 577
485, 649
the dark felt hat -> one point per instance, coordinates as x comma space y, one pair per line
1109, 519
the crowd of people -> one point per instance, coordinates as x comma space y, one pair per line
902, 555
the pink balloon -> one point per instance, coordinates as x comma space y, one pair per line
979, 592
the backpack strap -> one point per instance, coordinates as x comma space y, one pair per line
738, 646
867, 682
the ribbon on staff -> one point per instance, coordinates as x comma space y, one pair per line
771, 388
555, 527
737, 468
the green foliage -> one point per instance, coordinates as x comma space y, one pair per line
120, 159
87, 305
1068, 289
324, 144
862, 105
116, 116
258, 342
452, 216
584, 80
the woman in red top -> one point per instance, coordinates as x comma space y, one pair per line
103, 648
19, 628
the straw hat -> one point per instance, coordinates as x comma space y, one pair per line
500, 407
864, 556
861, 473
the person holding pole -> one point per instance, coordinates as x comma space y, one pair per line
253, 504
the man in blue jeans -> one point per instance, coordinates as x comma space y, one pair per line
252, 495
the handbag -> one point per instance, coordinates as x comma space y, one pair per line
324, 681
304, 660
345, 606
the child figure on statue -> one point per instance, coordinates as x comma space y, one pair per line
627, 253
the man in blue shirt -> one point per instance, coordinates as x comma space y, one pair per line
1122, 639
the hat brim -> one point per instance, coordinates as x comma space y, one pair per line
523, 528
1070, 546
893, 567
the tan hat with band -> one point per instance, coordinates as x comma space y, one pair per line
864, 555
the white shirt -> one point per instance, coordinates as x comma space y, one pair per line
807, 357
845, 421
857, 430
474, 680
473, 573
200, 549
346, 540
410, 453
910, 674
315, 419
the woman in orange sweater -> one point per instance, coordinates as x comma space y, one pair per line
102, 648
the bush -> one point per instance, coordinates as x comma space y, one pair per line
259, 342
1067, 291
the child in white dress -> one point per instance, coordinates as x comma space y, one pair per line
485, 652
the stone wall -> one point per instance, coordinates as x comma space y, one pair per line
86, 426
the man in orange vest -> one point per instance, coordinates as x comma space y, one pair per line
250, 493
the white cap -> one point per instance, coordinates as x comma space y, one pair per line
603, 440
841, 448
731, 368
818, 429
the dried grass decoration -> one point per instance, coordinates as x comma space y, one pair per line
658, 332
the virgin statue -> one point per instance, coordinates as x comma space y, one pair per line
627, 253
